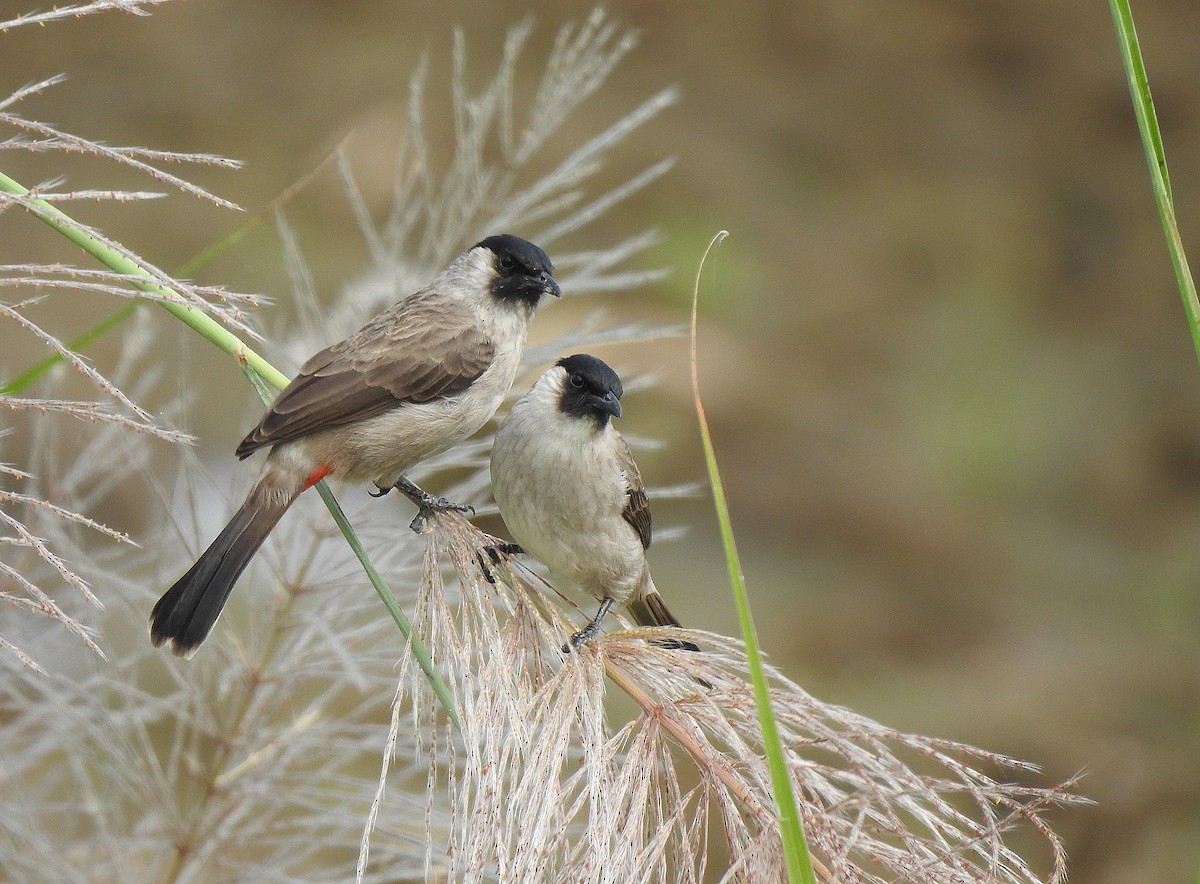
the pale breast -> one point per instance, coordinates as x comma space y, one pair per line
559, 502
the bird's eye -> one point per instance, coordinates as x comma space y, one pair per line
507, 262
577, 381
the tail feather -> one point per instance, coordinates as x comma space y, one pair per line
651, 610
185, 615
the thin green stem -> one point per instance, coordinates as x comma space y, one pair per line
1143, 108
419, 651
791, 828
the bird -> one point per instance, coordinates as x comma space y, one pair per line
415, 380
570, 493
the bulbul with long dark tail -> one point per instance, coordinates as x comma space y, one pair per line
570, 492
418, 378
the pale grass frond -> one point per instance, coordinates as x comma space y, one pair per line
63, 513
24, 537
138, 158
23, 658
77, 10
581, 164
31, 558
31, 89
125, 290
9, 470
594, 269
92, 411
552, 787
30, 145
597, 207
486, 188
38, 601
581, 60
116, 196
66, 276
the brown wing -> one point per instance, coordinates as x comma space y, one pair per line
637, 507
417, 351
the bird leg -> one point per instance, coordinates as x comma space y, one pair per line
426, 503
590, 631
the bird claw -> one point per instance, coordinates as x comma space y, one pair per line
427, 503
581, 638
589, 632
430, 504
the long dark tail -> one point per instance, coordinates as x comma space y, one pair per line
185, 615
651, 610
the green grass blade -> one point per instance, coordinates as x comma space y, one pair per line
791, 829
1143, 108
261, 373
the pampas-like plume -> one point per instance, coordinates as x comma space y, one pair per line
22, 514
549, 787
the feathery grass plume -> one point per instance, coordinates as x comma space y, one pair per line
256, 760
78, 10
33, 562
487, 186
548, 786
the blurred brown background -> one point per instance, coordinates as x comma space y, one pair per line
950, 382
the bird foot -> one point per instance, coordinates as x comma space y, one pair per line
581, 638
427, 503
430, 504
589, 632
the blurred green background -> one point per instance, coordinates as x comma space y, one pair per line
949, 378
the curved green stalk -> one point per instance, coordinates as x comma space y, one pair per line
1156, 158
791, 828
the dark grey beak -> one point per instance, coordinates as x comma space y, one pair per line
551, 285
608, 403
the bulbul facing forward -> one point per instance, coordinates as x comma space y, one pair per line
570, 493
418, 378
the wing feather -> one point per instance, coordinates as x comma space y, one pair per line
637, 507
418, 351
